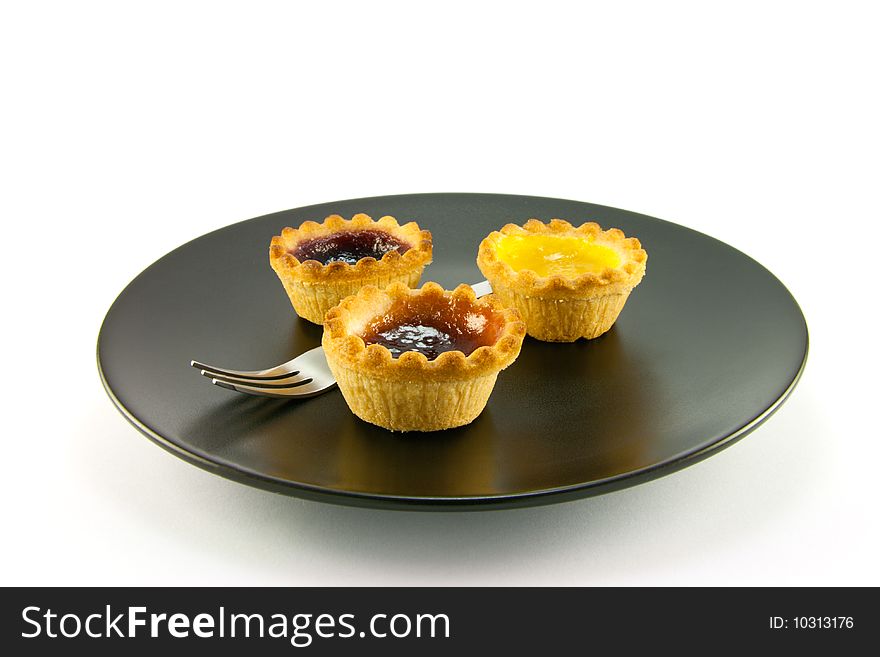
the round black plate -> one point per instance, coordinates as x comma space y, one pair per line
708, 346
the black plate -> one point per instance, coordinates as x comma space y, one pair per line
708, 346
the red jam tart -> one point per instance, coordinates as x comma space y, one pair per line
419, 360
321, 264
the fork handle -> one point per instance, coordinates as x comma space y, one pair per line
482, 288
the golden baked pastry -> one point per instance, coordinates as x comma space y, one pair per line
321, 264
567, 283
419, 360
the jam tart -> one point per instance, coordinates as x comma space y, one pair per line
321, 264
419, 360
567, 282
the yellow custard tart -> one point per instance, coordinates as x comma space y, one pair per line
419, 360
567, 282
321, 264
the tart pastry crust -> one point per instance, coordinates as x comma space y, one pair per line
564, 308
410, 392
314, 288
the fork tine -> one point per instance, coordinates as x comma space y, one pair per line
308, 389
297, 378
278, 372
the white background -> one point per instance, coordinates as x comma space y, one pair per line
128, 129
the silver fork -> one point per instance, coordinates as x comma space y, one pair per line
307, 375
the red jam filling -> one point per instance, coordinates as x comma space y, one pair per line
349, 246
433, 326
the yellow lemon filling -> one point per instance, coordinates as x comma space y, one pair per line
547, 255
